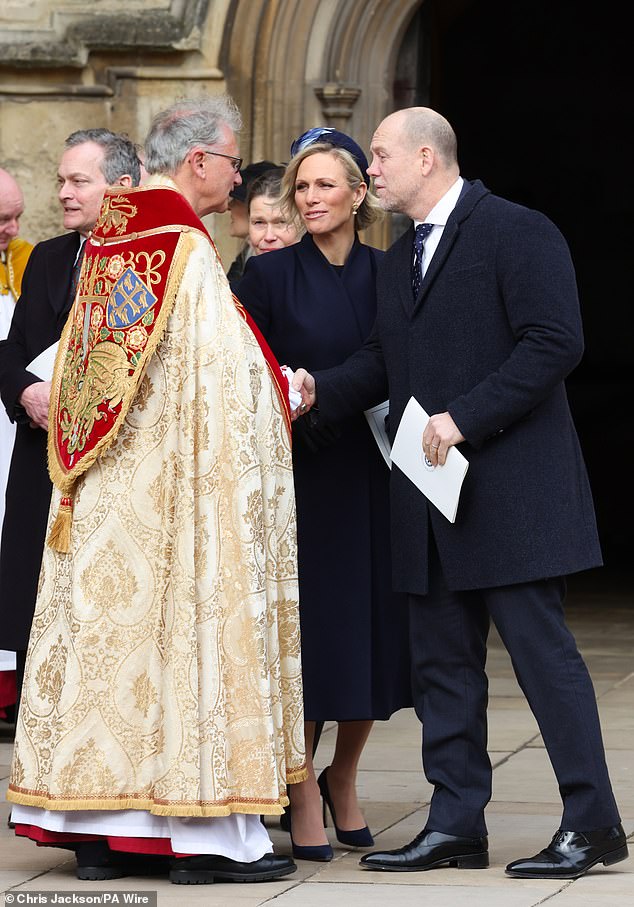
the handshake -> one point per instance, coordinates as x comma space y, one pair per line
440, 434
302, 394
312, 432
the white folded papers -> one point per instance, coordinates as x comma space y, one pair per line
42, 365
7, 660
440, 484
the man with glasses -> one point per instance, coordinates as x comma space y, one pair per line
236, 162
172, 667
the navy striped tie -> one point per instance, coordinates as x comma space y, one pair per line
422, 232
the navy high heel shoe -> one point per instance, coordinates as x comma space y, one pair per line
320, 853
359, 837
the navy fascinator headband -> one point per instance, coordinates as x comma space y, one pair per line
329, 136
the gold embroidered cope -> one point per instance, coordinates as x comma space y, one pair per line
164, 668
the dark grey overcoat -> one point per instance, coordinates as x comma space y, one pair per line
494, 333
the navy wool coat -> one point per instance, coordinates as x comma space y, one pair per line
492, 336
354, 629
39, 317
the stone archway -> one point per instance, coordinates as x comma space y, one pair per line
312, 62
289, 64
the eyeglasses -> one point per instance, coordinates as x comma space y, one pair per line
236, 162
310, 137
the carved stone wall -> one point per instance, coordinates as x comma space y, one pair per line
289, 64
299, 63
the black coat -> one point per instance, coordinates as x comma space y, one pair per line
38, 320
354, 629
495, 331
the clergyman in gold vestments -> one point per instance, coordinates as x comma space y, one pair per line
162, 704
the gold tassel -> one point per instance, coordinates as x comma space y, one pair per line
59, 536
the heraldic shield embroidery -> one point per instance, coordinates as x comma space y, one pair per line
115, 326
164, 672
129, 280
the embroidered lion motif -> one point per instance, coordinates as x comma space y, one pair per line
115, 214
105, 381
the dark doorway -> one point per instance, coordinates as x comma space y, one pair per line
536, 91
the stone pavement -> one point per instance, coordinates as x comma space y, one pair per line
522, 816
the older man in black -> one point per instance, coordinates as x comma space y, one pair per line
92, 160
478, 318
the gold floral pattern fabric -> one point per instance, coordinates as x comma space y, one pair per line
164, 669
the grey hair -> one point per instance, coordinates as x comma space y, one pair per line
183, 126
422, 125
119, 153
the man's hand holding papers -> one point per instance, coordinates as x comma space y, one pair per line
439, 482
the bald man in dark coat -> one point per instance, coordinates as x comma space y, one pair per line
478, 319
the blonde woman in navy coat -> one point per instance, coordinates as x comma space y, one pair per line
315, 303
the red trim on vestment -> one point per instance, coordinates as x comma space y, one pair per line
279, 378
8, 691
160, 847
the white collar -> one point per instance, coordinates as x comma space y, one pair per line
439, 214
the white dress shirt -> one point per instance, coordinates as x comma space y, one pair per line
438, 216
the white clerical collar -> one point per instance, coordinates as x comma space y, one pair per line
439, 214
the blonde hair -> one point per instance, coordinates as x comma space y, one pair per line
369, 209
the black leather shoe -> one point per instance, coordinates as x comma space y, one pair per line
430, 849
203, 869
570, 854
97, 863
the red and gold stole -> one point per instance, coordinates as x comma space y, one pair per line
129, 281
